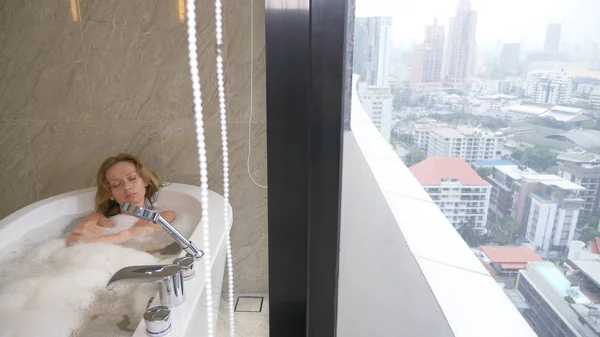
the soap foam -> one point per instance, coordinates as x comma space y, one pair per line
52, 290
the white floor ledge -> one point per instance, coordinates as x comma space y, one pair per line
414, 244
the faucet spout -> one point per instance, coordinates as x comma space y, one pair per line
142, 274
169, 278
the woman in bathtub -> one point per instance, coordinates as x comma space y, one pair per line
120, 179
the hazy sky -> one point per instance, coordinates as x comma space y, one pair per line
522, 21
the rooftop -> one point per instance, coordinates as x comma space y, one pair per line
587, 139
587, 157
492, 163
526, 109
463, 131
431, 172
566, 109
515, 171
553, 180
566, 114
510, 257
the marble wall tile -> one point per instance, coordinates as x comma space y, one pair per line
38, 41
154, 14
17, 176
67, 155
141, 72
249, 203
259, 74
180, 152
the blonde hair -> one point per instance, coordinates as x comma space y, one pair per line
110, 207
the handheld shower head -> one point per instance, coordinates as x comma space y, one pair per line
148, 215
140, 212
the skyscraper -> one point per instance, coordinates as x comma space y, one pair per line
509, 58
372, 45
552, 43
428, 57
460, 54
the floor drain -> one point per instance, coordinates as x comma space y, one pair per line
249, 304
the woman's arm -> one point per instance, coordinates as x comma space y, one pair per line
140, 228
90, 226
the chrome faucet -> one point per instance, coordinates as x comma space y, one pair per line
146, 214
169, 277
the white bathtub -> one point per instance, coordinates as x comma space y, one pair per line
188, 319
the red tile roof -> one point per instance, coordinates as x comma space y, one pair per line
595, 246
510, 257
431, 171
513, 265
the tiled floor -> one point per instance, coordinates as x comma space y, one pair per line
251, 316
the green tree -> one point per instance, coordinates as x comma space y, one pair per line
494, 123
551, 123
517, 154
414, 156
509, 225
484, 172
539, 158
589, 234
585, 221
406, 139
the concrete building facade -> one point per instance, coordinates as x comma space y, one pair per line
470, 144
457, 189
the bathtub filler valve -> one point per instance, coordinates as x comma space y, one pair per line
146, 214
169, 278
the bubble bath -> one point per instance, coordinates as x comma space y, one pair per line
47, 289
65, 287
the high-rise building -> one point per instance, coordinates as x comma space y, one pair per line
457, 189
552, 43
509, 58
460, 52
504, 180
428, 57
547, 207
377, 102
552, 88
470, 144
372, 45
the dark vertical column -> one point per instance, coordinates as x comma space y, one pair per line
288, 69
326, 120
305, 49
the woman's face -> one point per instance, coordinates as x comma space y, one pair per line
125, 184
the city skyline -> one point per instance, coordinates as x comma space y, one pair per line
527, 26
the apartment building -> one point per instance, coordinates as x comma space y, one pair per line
549, 206
504, 180
595, 99
377, 102
461, 194
552, 88
557, 308
586, 175
470, 144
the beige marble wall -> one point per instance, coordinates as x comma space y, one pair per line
116, 78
